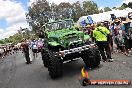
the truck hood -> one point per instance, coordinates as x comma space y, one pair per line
65, 37
63, 33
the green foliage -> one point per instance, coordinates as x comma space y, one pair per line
130, 5
114, 8
123, 6
90, 7
107, 9
26, 34
42, 11
101, 11
38, 14
2, 42
77, 11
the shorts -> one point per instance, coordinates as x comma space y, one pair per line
34, 50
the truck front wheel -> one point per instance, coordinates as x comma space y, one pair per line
91, 57
55, 66
45, 58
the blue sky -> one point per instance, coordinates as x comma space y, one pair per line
109, 3
3, 23
24, 3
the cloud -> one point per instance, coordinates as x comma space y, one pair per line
11, 30
1, 31
16, 19
127, 1
14, 14
17, 26
10, 8
7, 34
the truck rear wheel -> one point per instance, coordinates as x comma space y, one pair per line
55, 66
91, 57
45, 58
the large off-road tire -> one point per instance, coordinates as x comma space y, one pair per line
55, 66
45, 58
91, 57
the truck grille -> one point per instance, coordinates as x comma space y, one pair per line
71, 39
74, 45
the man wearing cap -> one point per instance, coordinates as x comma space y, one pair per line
100, 34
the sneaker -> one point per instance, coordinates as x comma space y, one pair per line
129, 55
29, 62
26, 62
110, 60
104, 60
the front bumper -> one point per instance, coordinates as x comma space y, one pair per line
75, 50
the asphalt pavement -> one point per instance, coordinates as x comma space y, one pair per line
14, 73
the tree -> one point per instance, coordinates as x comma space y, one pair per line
123, 6
90, 7
54, 11
106, 9
101, 11
42, 12
77, 11
38, 14
114, 8
130, 5
65, 10
2, 42
120, 8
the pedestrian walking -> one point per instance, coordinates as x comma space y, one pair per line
25, 49
34, 46
40, 45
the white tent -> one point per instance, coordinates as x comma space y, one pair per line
106, 15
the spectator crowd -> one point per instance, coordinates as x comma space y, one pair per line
114, 36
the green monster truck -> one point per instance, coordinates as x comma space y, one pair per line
63, 43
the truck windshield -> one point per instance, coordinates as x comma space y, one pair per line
59, 25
